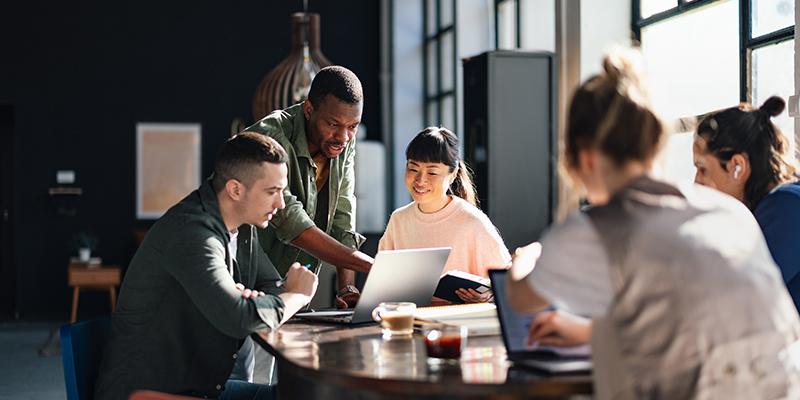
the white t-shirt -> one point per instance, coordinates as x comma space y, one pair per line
234, 243
574, 265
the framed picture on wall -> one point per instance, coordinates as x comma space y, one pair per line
167, 165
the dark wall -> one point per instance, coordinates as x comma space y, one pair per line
81, 75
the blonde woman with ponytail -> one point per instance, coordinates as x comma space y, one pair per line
683, 298
444, 212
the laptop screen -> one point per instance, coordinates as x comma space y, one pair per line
513, 324
514, 327
396, 275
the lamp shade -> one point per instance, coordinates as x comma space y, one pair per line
289, 82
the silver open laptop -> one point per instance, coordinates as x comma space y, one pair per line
396, 275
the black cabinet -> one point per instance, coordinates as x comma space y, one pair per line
511, 139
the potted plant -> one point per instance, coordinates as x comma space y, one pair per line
85, 242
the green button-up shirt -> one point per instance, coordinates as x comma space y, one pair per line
288, 127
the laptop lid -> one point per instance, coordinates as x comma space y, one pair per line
396, 275
514, 329
401, 275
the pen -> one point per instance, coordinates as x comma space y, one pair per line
283, 280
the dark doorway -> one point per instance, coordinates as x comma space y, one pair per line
7, 263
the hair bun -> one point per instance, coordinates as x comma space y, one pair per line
623, 69
773, 106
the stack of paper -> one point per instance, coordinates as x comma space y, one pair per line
480, 318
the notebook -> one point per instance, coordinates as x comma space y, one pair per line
514, 329
396, 275
454, 280
480, 318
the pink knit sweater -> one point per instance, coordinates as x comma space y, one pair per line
477, 246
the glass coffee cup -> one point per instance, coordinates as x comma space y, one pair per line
444, 343
396, 318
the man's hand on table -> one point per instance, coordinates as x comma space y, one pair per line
347, 300
301, 280
301, 284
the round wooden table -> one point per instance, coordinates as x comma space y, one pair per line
324, 361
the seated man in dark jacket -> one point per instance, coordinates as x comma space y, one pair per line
200, 283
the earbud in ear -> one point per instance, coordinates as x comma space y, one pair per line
736, 170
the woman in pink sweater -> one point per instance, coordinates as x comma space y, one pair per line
444, 211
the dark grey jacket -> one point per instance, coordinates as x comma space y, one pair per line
180, 319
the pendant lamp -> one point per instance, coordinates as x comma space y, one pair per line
289, 82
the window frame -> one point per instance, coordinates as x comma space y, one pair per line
435, 39
747, 43
517, 29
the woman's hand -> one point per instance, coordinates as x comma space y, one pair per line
559, 328
523, 260
472, 296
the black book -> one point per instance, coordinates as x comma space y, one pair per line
454, 280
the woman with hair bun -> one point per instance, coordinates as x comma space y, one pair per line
684, 299
444, 212
742, 153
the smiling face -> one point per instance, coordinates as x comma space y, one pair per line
428, 184
331, 125
265, 197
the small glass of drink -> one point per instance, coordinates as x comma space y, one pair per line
444, 343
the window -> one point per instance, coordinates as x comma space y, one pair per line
768, 16
704, 55
440, 63
692, 60
507, 18
770, 47
525, 24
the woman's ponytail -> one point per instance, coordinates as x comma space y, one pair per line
463, 186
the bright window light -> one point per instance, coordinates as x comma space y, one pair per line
693, 60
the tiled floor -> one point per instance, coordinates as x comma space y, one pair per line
23, 374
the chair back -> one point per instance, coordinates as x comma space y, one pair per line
82, 345
151, 395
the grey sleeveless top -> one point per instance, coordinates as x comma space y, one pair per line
699, 309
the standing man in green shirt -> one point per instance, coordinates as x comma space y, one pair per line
318, 223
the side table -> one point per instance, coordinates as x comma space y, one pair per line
82, 277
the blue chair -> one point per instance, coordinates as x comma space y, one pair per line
82, 346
